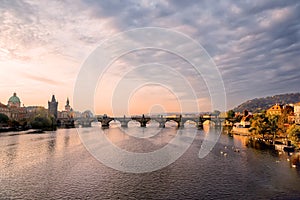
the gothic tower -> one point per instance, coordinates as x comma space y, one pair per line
52, 107
67, 106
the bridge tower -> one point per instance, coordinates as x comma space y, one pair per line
52, 107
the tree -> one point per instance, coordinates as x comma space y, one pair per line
23, 122
3, 118
13, 123
283, 120
294, 133
238, 118
245, 113
260, 125
230, 114
41, 122
273, 125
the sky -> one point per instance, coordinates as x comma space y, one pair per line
44, 46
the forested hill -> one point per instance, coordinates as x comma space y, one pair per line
258, 104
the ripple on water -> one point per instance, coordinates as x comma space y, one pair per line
56, 165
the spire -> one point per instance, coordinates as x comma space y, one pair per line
67, 106
53, 98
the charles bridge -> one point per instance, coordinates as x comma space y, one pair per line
143, 120
162, 120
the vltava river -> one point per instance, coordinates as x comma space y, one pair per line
57, 165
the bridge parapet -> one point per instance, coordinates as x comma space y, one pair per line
143, 120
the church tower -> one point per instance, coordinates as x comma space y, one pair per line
52, 107
67, 106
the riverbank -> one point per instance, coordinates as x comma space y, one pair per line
37, 130
279, 146
10, 129
240, 131
267, 144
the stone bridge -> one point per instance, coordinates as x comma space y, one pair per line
144, 120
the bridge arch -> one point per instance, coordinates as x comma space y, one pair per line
171, 123
190, 123
95, 124
134, 123
152, 123
114, 123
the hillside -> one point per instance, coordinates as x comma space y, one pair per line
258, 104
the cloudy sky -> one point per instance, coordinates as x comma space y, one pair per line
255, 46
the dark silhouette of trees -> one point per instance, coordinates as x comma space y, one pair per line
3, 118
41, 122
294, 134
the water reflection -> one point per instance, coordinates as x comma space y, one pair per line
56, 165
52, 143
240, 140
66, 140
11, 150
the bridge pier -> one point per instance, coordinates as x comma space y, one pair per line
181, 124
217, 123
124, 121
143, 120
162, 125
124, 124
200, 125
161, 121
105, 121
143, 124
104, 125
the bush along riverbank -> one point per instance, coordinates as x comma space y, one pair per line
280, 144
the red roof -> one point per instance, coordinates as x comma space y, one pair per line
2, 105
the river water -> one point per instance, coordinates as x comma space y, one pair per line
57, 165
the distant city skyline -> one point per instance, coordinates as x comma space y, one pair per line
43, 45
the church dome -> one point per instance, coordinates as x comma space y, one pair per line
14, 101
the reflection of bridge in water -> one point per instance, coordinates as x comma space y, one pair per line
162, 120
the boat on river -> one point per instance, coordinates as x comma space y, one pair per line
283, 147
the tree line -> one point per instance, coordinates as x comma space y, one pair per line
39, 120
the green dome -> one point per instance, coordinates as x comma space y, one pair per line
14, 99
